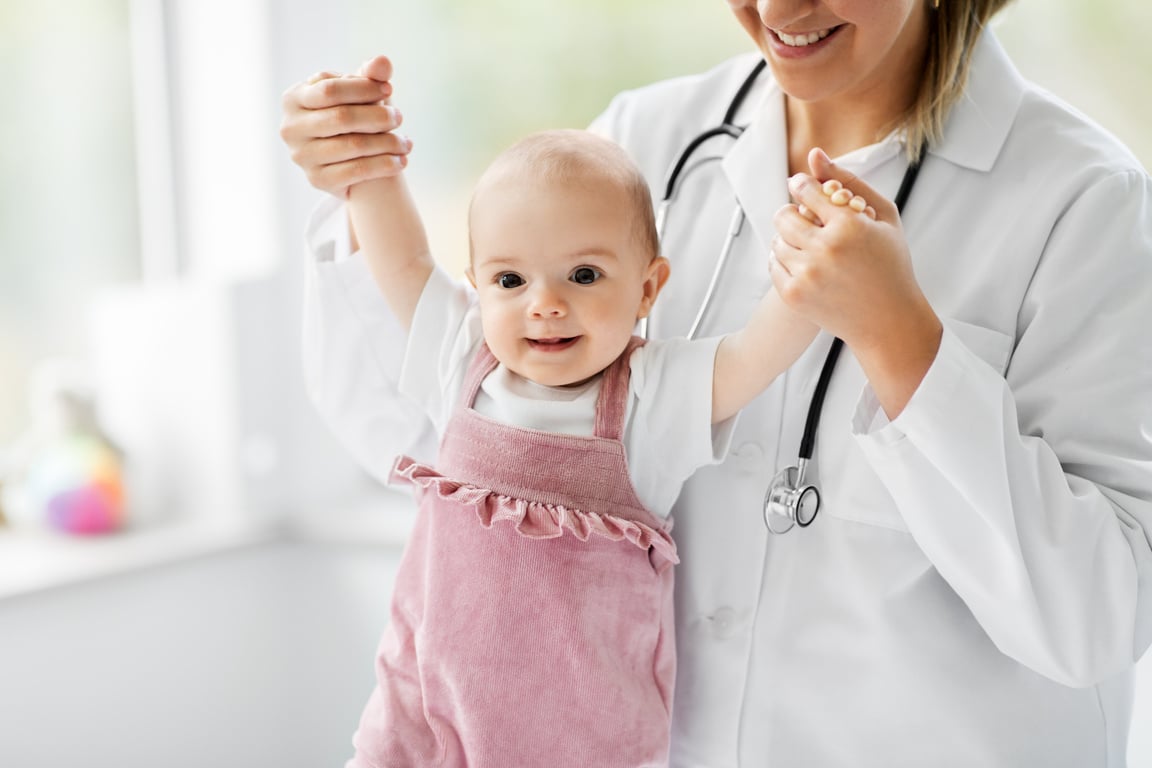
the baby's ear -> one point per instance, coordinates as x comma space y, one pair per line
658, 271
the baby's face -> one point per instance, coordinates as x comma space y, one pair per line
560, 275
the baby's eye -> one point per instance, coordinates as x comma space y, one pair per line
585, 275
509, 280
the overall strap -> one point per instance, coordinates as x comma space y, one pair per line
483, 363
612, 403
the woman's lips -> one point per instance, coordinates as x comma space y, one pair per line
801, 44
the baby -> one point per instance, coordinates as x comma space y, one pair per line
531, 621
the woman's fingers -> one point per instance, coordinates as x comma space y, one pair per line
338, 177
344, 119
340, 129
804, 211
377, 68
329, 92
350, 146
795, 227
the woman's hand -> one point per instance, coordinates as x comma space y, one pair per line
340, 128
851, 274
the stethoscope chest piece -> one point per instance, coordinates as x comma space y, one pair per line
790, 501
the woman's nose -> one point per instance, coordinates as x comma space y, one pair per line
777, 14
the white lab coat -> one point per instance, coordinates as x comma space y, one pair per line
978, 584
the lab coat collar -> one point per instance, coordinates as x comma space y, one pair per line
977, 126
974, 134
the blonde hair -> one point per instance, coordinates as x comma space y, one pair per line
568, 154
954, 26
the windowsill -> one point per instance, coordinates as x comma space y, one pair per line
384, 516
36, 560
33, 561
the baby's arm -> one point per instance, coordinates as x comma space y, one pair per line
750, 359
392, 238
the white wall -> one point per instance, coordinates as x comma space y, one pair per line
256, 658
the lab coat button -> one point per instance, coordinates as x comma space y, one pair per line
723, 623
749, 451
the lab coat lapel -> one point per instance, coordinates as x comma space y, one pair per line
757, 166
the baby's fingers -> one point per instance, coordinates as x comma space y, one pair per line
827, 171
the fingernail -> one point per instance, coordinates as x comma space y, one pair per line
796, 182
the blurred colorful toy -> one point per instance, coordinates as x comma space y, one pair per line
76, 482
70, 474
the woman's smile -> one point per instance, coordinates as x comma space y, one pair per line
800, 44
803, 39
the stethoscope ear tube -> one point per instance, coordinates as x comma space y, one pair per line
727, 127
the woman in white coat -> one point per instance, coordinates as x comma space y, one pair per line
978, 585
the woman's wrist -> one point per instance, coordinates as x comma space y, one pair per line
896, 360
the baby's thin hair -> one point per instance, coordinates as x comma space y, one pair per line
567, 154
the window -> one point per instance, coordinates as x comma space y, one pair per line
138, 239
68, 205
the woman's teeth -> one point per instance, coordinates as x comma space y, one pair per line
799, 41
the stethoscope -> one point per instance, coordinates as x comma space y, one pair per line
789, 501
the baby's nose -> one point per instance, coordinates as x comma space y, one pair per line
548, 302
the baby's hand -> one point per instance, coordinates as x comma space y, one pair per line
838, 194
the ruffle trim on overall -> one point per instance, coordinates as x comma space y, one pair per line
535, 520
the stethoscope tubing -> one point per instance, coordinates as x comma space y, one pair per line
794, 488
727, 127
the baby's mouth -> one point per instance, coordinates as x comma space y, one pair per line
553, 343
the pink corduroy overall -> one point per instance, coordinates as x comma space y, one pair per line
531, 621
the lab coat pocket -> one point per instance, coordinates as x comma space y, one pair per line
991, 346
860, 497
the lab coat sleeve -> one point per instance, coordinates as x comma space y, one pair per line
1031, 493
353, 348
